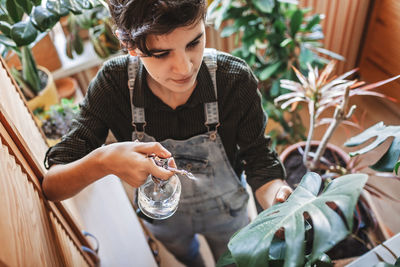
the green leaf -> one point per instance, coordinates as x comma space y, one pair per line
78, 44
29, 70
314, 21
43, 19
388, 161
55, 7
250, 246
265, 6
5, 28
269, 70
85, 4
23, 33
295, 22
229, 30
36, 2
396, 168
14, 11
225, 259
72, 5
26, 5
7, 41
275, 88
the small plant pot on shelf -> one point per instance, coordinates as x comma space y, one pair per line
66, 87
48, 96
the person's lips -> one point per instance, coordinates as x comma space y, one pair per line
184, 80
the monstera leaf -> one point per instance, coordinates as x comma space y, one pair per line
381, 132
252, 246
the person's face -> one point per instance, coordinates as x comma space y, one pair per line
176, 59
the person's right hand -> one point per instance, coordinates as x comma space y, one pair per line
130, 162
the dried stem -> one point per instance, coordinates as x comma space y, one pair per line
310, 134
338, 117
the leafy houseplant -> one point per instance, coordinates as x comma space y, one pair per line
98, 23
22, 24
57, 121
324, 219
274, 37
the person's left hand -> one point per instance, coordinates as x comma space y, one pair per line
275, 191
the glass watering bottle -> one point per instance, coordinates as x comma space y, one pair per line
158, 199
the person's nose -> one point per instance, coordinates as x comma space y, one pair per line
182, 64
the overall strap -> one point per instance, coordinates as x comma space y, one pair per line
138, 117
211, 108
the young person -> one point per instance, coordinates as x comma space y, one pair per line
201, 108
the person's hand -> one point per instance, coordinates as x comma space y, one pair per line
273, 192
282, 194
130, 162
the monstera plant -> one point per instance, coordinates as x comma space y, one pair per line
312, 224
25, 22
390, 160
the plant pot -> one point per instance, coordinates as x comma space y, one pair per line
293, 160
47, 97
66, 87
44, 52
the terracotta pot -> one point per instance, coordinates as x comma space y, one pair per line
66, 87
294, 147
296, 172
48, 96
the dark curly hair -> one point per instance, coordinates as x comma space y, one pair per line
136, 19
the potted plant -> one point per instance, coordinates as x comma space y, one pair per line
320, 91
56, 121
272, 36
22, 24
302, 230
311, 224
97, 22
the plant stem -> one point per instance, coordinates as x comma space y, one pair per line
338, 117
310, 134
328, 134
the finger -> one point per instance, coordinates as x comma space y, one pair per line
283, 193
157, 171
152, 148
171, 162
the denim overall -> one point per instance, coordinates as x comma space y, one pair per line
215, 205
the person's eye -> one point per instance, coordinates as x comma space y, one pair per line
193, 44
161, 55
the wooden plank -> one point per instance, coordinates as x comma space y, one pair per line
25, 236
29, 175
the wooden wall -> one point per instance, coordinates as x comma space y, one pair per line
33, 231
380, 58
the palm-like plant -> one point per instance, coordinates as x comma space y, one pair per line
321, 91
